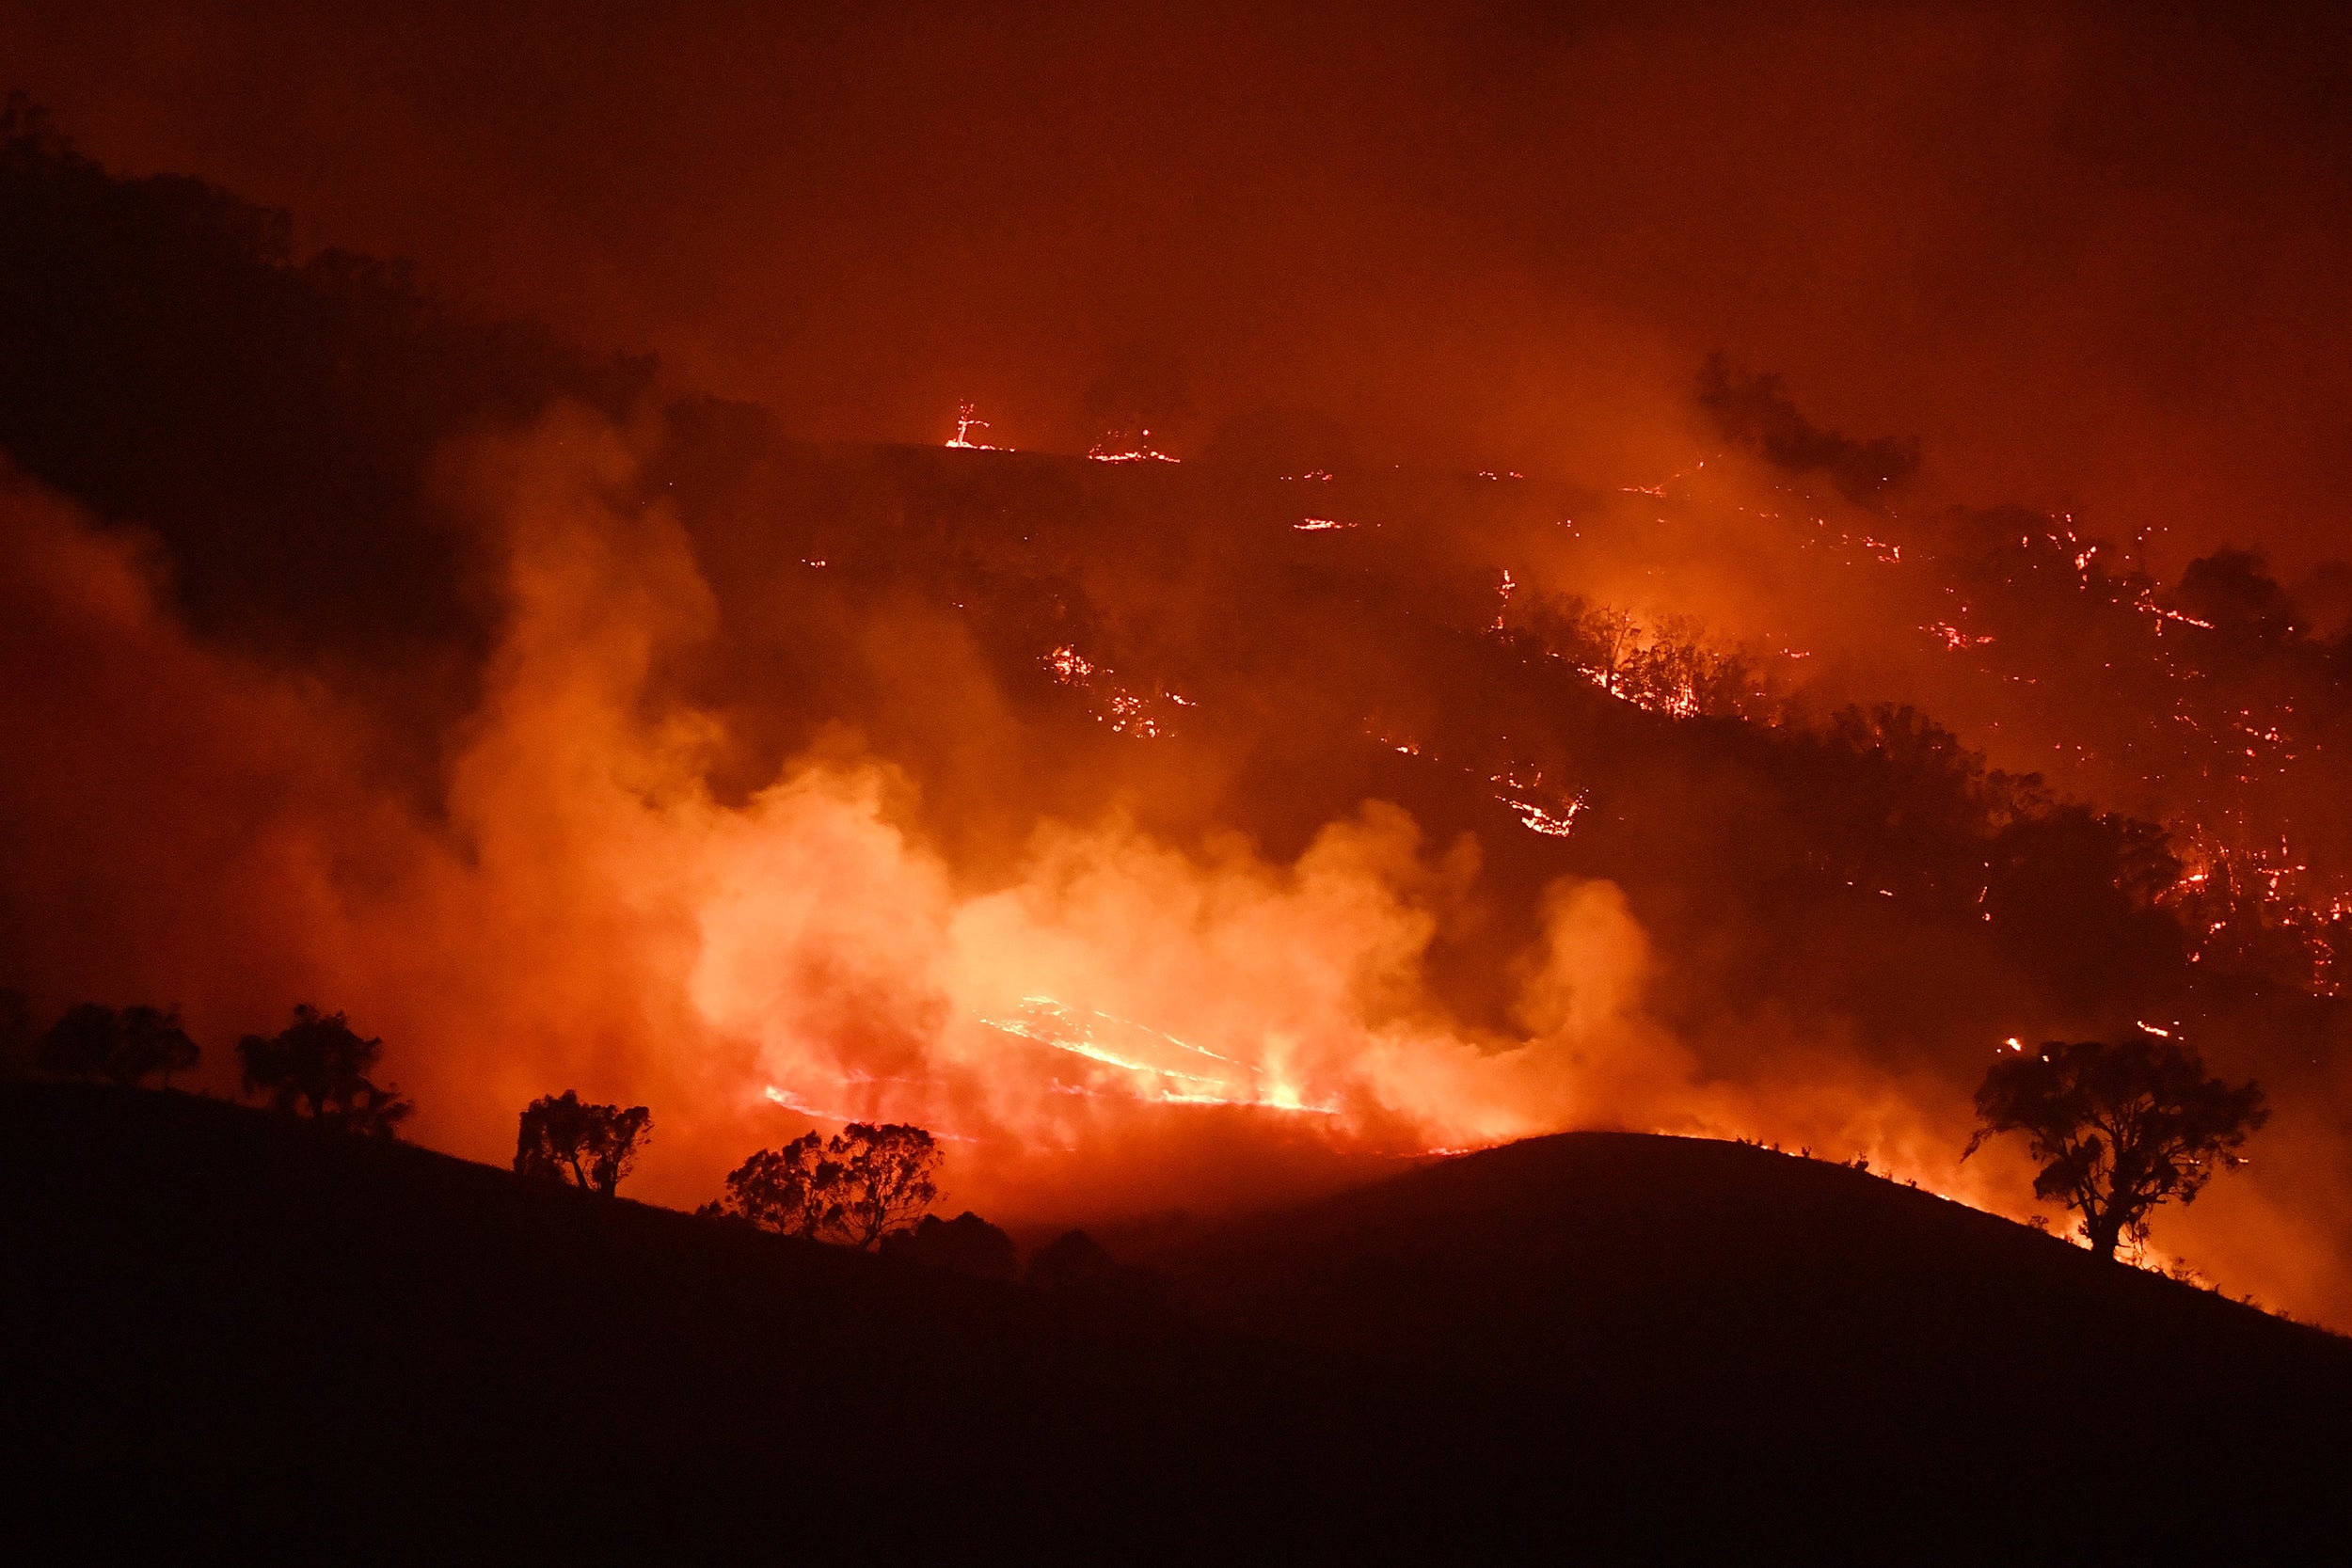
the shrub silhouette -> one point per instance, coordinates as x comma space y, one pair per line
966, 1244
126, 1047
2119, 1128
865, 1182
565, 1139
317, 1067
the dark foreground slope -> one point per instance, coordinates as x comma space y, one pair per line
1830, 1335
238, 1326
221, 1325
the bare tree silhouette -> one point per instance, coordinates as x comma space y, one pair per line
592, 1147
2120, 1129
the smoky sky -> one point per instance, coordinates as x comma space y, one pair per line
2088, 255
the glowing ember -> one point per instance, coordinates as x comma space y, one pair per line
1955, 639
1069, 666
1118, 447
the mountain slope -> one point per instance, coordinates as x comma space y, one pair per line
220, 1322
1818, 1329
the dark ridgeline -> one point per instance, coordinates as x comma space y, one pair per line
257, 1339
166, 360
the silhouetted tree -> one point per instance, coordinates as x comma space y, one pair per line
885, 1181
153, 1044
318, 1066
966, 1244
788, 1190
78, 1044
126, 1047
2119, 1128
860, 1185
564, 1138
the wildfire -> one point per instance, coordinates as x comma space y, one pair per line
1156, 1065
1524, 794
968, 420
1127, 712
1116, 446
1955, 639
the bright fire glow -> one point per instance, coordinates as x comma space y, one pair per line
1120, 447
968, 420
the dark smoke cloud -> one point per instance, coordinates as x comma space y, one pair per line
1756, 412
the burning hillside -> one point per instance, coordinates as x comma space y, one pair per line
1158, 832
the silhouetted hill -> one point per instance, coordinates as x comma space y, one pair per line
1817, 1327
222, 1321
222, 1325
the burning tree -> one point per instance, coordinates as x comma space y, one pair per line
125, 1047
862, 1184
318, 1066
565, 1139
2119, 1128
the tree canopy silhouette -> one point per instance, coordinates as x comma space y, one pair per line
126, 1047
2119, 1128
565, 1139
885, 1179
862, 1184
787, 1189
318, 1066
